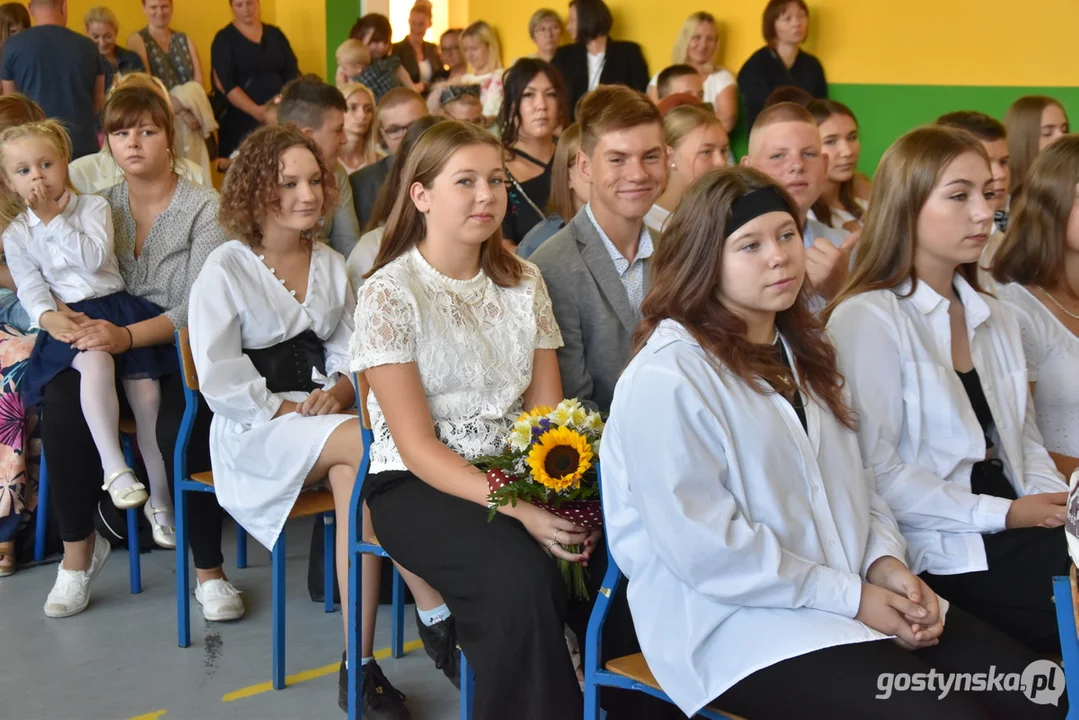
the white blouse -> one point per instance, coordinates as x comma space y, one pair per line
260, 462
473, 343
72, 257
1052, 352
745, 537
916, 425
656, 219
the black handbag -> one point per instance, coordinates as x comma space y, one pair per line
287, 365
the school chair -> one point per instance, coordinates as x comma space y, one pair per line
127, 432
313, 502
1065, 595
357, 548
628, 673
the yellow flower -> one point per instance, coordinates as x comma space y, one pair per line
534, 416
593, 422
560, 458
577, 418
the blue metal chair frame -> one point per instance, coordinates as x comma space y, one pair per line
1069, 642
357, 549
41, 526
596, 677
185, 484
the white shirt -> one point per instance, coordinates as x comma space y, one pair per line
260, 462
425, 71
491, 90
916, 426
362, 258
631, 273
72, 257
1052, 352
745, 538
99, 171
473, 343
656, 219
595, 69
715, 83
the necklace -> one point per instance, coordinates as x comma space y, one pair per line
1056, 302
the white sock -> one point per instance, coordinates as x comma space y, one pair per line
363, 661
101, 409
434, 615
144, 396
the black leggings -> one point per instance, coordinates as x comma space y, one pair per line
75, 466
505, 592
843, 682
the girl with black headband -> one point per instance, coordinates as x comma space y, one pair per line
766, 576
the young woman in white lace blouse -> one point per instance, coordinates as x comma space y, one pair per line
456, 337
1039, 261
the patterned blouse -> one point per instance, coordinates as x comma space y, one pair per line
174, 250
173, 67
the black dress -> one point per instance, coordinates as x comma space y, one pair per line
259, 69
527, 200
764, 71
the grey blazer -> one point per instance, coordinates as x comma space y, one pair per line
366, 182
592, 310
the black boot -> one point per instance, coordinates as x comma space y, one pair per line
380, 700
440, 643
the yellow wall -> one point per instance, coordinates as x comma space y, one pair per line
303, 21
923, 42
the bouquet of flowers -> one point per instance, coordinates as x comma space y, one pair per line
549, 460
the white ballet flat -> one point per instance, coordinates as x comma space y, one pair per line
128, 497
164, 535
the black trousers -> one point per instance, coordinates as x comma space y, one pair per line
843, 682
505, 592
75, 466
1015, 594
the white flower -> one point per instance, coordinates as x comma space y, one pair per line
521, 436
593, 422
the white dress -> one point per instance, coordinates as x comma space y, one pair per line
1052, 353
259, 461
473, 343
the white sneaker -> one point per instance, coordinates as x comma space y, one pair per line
70, 594
220, 600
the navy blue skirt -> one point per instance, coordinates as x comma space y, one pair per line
51, 356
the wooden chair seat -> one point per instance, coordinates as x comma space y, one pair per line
312, 502
1075, 598
206, 478
636, 668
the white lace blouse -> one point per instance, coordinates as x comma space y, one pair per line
472, 341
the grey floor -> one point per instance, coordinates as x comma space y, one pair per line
119, 659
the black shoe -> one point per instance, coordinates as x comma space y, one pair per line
440, 643
380, 700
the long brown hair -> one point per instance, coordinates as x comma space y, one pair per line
822, 110
1032, 252
1024, 123
407, 226
686, 272
906, 176
561, 200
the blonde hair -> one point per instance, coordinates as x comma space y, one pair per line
352, 51
371, 152
906, 176
101, 14
683, 120
423, 7
680, 54
1023, 122
482, 31
49, 130
541, 16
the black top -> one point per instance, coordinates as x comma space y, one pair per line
259, 69
624, 64
366, 182
764, 71
794, 397
521, 216
127, 61
973, 386
403, 50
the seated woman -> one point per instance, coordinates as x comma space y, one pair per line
1035, 258
102, 27
781, 61
271, 314
765, 573
698, 47
385, 71
569, 193
484, 55
696, 143
938, 378
844, 200
1033, 123
361, 142
533, 109
456, 337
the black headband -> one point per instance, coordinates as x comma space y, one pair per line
752, 205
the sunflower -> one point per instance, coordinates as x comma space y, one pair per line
560, 458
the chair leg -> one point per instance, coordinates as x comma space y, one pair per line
133, 560
183, 572
1069, 643
468, 686
355, 676
241, 547
278, 562
591, 697
397, 630
329, 556
42, 525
